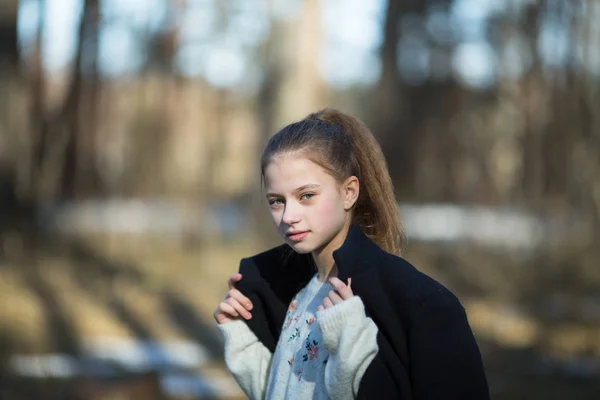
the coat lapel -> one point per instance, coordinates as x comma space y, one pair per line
356, 255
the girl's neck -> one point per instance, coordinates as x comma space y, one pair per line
326, 267
323, 257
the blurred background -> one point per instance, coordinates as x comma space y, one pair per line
130, 136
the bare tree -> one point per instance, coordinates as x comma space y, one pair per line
9, 48
63, 163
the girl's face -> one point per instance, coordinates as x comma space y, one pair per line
309, 207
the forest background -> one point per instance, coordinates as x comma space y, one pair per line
130, 134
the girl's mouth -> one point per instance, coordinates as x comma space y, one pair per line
297, 236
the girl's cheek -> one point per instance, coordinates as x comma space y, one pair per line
276, 217
324, 210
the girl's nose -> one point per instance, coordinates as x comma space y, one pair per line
290, 215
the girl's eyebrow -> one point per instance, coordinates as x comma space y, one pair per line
300, 189
305, 187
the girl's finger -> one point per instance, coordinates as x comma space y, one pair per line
327, 302
227, 309
233, 279
238, 308
344, 291
320, 308
335, 298
243, 300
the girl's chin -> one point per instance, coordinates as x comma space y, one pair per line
301, 248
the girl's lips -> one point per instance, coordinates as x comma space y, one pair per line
296, 237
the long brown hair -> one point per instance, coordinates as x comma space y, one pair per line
344, 146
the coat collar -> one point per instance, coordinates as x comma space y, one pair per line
356, 253
286, 271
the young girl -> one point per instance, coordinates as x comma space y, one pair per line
335, 312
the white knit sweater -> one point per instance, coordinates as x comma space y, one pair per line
320, 355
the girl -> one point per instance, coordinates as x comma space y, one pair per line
335, 312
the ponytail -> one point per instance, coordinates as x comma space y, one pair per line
376, 211
344, 146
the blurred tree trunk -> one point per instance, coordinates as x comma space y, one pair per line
10, 90
9, 48
389, 97
37, 112
9, 61
534, 117
390, 114
584, 148
293, 86
87, 178
303, 91
64, 155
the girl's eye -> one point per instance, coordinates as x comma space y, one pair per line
275, 202
307, 196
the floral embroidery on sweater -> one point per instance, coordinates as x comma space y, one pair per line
294, 335
312, 349
301, 337
292, 306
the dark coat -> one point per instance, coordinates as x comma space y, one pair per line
426, 347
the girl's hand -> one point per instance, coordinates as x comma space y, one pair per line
235, 305
341, 293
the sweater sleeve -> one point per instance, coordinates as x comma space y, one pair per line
246, 358
350, 337
445, 359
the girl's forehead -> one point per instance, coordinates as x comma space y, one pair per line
292, 171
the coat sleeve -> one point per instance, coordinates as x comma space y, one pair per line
445, 361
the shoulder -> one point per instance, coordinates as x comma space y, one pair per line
407, 284
428, 308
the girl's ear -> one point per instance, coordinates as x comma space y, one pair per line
351, 190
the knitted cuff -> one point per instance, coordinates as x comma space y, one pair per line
237, 334
334, 320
